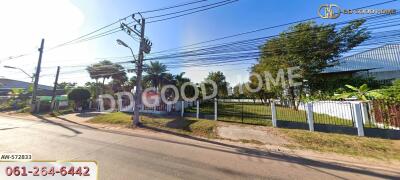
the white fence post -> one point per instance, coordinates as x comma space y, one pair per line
310, 118
273, 113
99, 104
215, 109
358, 119
364, 112
198, 109
182, 108
119, 103
169, 107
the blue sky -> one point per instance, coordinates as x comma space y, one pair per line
63, 20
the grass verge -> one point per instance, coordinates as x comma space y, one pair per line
185, 125
61, 112
382, 149
345, 144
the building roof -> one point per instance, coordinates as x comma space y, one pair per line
384, 58
10, 83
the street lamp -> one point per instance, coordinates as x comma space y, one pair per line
135, 117
122, 43
11, 67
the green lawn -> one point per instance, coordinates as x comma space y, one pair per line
186, 125
260, 114
344, 144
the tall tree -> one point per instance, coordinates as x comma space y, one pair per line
220, 79
92, 87
105, 70
156, 74
67, 86
119, 78
102, 69
180, 80
310, 46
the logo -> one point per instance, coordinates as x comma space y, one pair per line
329, 11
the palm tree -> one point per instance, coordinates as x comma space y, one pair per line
179, 79
155, 74
100, 70
105, 70
167, 79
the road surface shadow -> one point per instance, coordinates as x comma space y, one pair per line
3, 129
73, 122
43, 119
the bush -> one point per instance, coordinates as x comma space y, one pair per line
329, 86
392, 92
13, 104
80, 96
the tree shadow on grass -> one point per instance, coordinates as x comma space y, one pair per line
89, 114
180, 123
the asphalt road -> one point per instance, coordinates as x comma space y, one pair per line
148, 155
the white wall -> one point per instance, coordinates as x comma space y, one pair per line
340, 109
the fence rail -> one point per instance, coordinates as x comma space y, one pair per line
244, 112
338, 113
291, 114
374, 118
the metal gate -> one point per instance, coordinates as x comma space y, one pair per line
247, 112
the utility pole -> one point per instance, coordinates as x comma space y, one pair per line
144, 47
35, 84
53, 98
139, 64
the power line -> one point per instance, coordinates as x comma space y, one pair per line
241, 43
240, 34
172, 7
224, 49
191, 9
97, 36
115, 30
262, 29
104, 27
237, 48
173, 17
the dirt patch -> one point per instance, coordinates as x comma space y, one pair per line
265, 135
